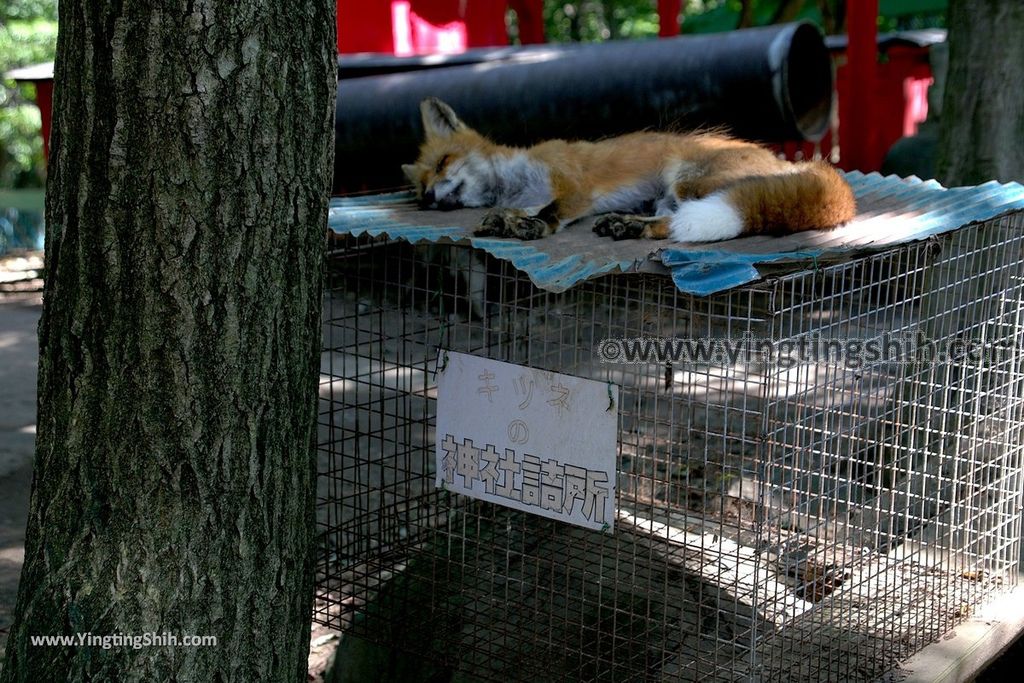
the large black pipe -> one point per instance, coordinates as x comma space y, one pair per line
374, 64
772, 83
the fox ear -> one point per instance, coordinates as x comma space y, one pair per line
410, 172
439, 120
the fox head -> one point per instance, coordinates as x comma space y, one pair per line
453, 170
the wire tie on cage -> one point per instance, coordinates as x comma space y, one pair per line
813, 256
605, 527
443, 364
443, 328
611, 399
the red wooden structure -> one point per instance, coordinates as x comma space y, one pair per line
668, 17
41, 76
412, 27
878, 102
857, 133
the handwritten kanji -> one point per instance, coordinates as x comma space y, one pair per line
531, 479
596, 495
510, 467
590, 487
467, 462
575, 487
448, 463
551, 480
489, 459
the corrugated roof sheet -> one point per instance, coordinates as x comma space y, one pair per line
891, 211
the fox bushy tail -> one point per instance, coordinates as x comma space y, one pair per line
813, 197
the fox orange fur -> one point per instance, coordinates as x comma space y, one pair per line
690, 188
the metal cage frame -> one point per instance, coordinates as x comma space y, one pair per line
803, 520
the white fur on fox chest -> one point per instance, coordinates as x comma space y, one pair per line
521, 182
628, 197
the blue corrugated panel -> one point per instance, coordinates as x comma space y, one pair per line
890, 211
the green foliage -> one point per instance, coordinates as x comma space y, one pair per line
903, 15
21, 146
28, 10
594, 20
28, 35
714, 16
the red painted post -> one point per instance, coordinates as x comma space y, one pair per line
44, 100
485, 24
857, 109
530, 14
414, 26
668, 17
40, 76
365, 26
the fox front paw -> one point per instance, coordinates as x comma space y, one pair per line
492, 224
511, 223
620, 227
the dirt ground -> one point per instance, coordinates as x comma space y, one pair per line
20, 306
17, 436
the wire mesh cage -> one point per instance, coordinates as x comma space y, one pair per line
817, 474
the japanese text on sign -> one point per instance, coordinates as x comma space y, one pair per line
527, 439
526, 478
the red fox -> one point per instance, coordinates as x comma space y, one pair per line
698, 187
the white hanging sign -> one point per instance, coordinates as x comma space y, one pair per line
527, 439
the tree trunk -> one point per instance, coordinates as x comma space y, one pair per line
575, 25
983, 108
746, 14
787, 11
174, 479
610, 20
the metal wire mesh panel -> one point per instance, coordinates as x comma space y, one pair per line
796, 500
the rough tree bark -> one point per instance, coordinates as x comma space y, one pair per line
174, 481
983, 108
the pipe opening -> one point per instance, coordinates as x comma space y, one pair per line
808, 82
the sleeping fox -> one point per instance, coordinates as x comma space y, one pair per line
699, 187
